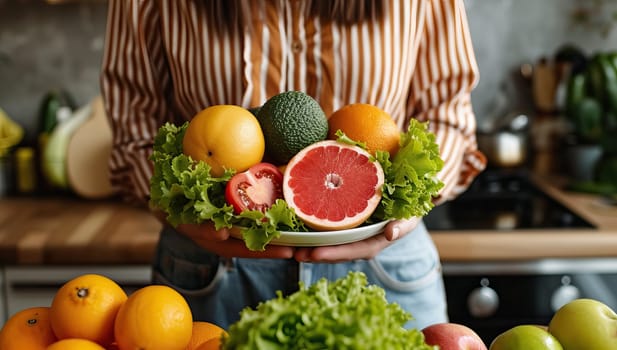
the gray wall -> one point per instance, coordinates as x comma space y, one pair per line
44, 47
49, 46
509, 33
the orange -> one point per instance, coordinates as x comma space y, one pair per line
332, 185
85, 307
224, 137
203, 332
154, 317
27, 329
75, 344
212, 344
367, 124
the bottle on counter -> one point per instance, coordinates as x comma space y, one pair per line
11, 134
25, 170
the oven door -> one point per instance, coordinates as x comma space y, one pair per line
494, 297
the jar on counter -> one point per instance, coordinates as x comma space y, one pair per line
25, 170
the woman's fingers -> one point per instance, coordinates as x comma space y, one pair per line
399, 228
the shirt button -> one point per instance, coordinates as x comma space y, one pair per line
296, 46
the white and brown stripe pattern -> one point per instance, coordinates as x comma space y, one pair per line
165, 61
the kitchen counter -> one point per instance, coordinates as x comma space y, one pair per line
531, 244
67, 230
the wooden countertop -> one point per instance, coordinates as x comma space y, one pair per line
470, 246
66, 230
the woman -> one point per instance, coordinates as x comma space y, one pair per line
165, 60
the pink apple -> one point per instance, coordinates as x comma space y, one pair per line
453, 336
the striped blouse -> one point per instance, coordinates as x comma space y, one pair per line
163, 62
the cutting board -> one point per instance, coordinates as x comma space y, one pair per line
88, 155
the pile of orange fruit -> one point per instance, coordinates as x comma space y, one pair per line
92, 312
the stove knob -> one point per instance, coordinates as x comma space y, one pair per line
564, 294
483, 301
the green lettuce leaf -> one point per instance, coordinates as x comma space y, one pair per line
344, 314
260, 228
411, 180
184, 189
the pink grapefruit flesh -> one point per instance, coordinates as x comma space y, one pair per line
333, 186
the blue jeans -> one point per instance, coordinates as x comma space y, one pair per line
217, 289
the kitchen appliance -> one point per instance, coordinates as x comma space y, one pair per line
503, 199
491, 297
504, 148
505, 142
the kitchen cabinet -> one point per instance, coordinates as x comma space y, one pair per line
29, 286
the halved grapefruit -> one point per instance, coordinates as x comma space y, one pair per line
332, 185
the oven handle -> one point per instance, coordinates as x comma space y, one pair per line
535, 267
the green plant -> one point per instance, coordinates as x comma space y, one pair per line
591, 103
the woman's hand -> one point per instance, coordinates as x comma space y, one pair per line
221, 243
365, 249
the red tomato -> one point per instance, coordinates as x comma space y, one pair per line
255, 189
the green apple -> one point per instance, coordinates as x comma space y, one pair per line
585, 324
525, 337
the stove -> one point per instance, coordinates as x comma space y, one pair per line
503, 200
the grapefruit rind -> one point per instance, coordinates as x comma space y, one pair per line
323, 199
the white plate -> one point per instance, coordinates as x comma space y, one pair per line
324, 238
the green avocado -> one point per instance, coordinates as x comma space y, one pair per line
254, 110
291, 121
